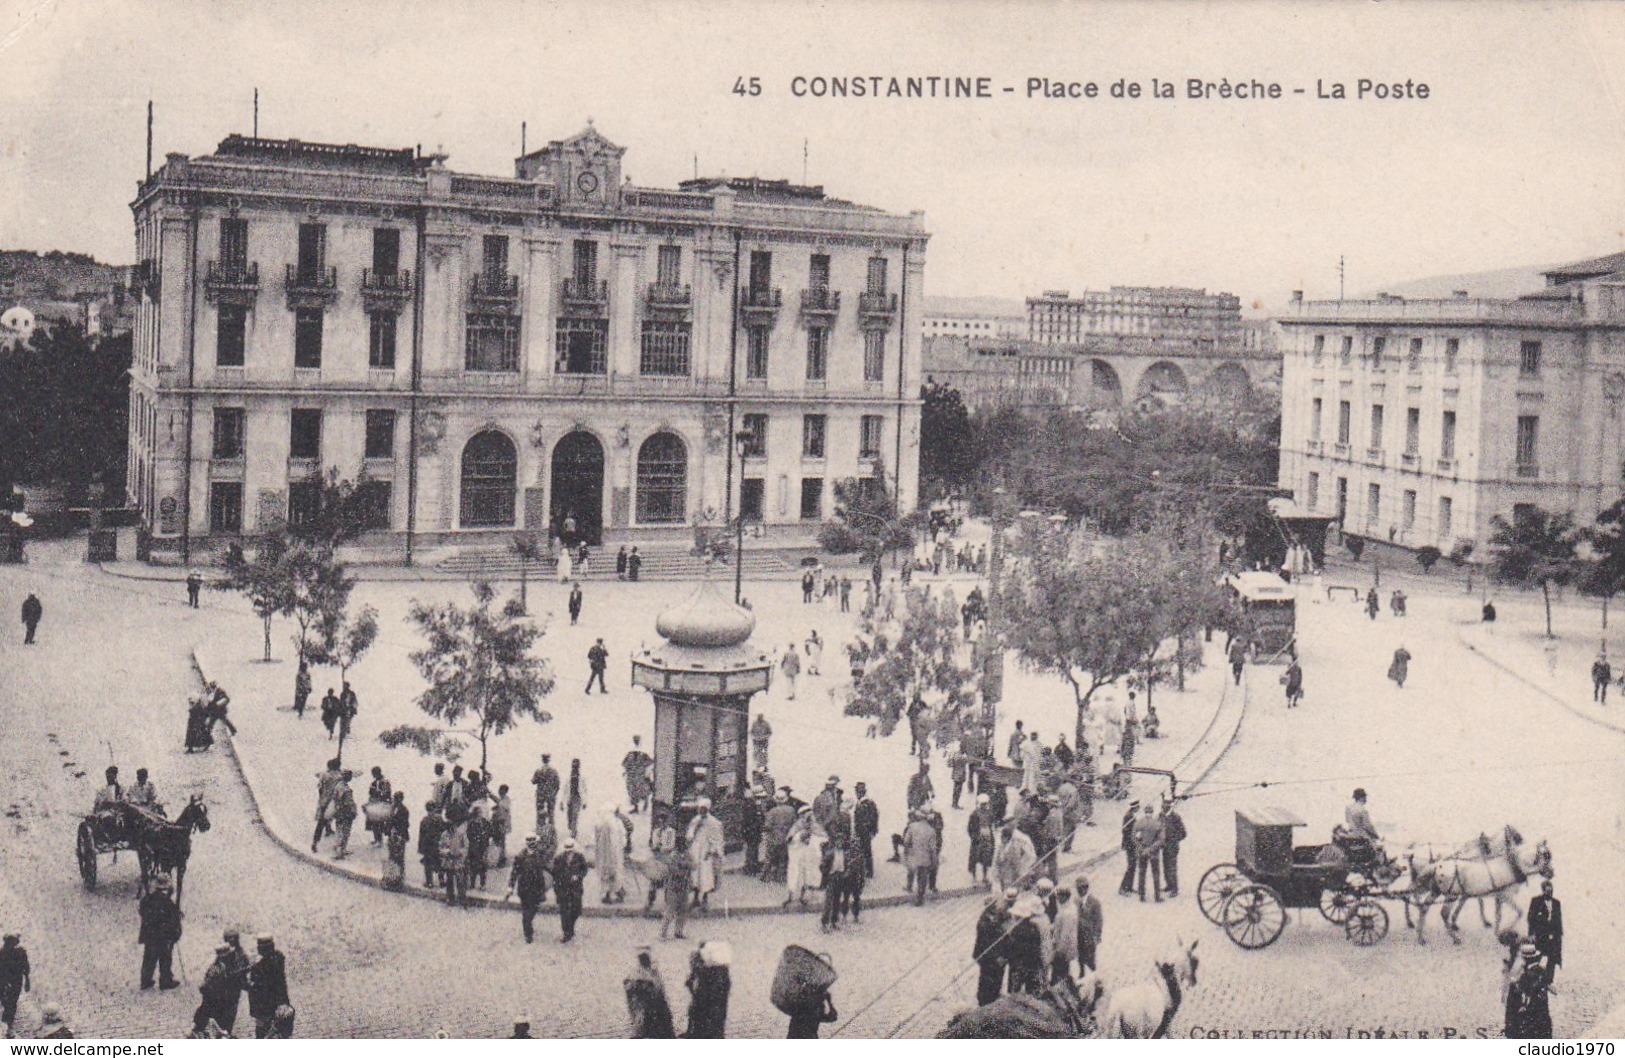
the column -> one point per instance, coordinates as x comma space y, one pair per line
541, 280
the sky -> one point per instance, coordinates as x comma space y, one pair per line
1516, 157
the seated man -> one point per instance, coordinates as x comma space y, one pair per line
107, 810
1357, 818
142, 793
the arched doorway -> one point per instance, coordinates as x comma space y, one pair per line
663, 479
578, 488
490, 478
1105, 390
1164, 383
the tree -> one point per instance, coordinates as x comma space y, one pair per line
64, 409
1536, 547
344, 510
343, 641
1087, 611
1427, 557
263, 581
316, 593
1602, 573
478, 664
529, 549
947, 454
920, 660
867, 520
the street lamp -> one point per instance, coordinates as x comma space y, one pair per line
741, 443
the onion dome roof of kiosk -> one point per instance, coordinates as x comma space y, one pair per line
706, 650
706, 619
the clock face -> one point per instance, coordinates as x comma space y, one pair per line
587, 183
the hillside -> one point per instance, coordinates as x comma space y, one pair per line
27, 276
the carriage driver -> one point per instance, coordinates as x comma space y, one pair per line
142, 793
1357, 818
109, 795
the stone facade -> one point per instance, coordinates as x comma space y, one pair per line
496, 354
1417, 421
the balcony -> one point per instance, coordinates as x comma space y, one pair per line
1374, 456
759, 306
232, 283
386, 290
585, 297
1409, 460
820, 304
876, 310
1445, 466
669, 300
1340, 450
311, 288
495, 291
1526, 471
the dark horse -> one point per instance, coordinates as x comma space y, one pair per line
163, 847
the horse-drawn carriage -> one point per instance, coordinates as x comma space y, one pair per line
1344, 879
161, 845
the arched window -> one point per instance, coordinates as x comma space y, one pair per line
662, 479
490, 476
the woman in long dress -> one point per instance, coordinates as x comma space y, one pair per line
197, 726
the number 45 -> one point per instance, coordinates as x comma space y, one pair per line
748, 86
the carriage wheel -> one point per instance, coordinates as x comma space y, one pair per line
1217, 885
1254, 916
1367, 923
1335, 905
85, 846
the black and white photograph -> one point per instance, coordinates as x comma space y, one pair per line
812, 520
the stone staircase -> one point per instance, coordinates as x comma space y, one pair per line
659, 563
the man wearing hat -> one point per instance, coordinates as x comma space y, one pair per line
238, 964
1129, 817
219, 991
980, 830
15, 976
827, 805
1546, 926
1528, 1005
268, 989
776, 837
1015, 859
529, 879
920, 849
1357, 818
705, 845
569, 883
1148, 840
1028, 946
1173, 832
160, 929
866, 825
989, 952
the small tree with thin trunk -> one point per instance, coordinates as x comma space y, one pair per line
1602, 572
529, 549
263, 580
478, 665
318, 590
1535, 548
343, 640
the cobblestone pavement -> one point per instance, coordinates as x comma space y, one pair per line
1461, 749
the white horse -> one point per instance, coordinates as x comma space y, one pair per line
1487, 867
1146, 1009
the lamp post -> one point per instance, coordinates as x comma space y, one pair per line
993, 651
741, 441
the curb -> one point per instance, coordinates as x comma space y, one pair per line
1461, 637
486, 902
